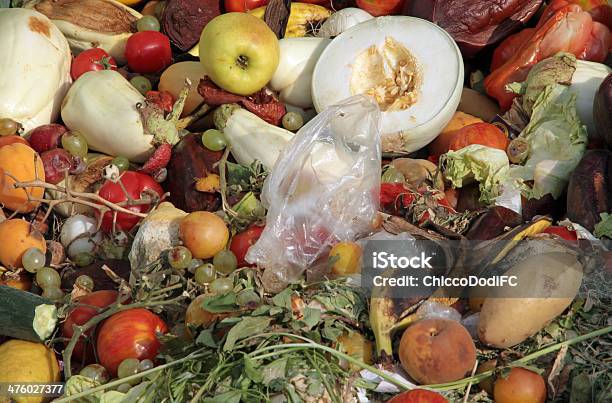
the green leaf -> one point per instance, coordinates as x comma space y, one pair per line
227, 397
604, 227
251, 370
205, 338
312, 316
331, 332
261, 310
112, 396
274, 370
220, 303
248, 326
581, 389
283, 299
238, 175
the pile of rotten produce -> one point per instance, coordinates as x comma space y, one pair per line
187, 186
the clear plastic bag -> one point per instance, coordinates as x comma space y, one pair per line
323, 189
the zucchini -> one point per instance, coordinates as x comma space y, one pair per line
26, 316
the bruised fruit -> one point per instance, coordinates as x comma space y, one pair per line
17, 237
344, 259
589, 192
57, 164
20, 162
437, 351
520, 386
46, 137
357, 346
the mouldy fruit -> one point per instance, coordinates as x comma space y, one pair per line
437, 351
590, 189
183, 20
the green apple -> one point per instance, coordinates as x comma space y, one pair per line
240, 52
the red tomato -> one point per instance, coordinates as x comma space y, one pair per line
82, 314
381, 7
243, 241
91, 60
148, 52
136, 184
241, 6
129, 334
418, 396
563, 232
6, 140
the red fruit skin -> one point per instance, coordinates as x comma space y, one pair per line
57, 164
148, 52
46, 137
129, 334
82, 314
6, 140
381, 7
134, 183
418, 396
241, 243
241, 6
163, 99
158, 160
562, 232
91, 60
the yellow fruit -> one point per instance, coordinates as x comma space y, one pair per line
24, 361
129, 2
16, 237
345, 257
357, 346
204, 234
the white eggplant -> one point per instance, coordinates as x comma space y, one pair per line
585, 82
252, 138
293, 77
105, 24
102, 106
34, 67
342, 20
412, 68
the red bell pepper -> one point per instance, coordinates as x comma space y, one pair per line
569, 30
134, 186
600, 10
509, 47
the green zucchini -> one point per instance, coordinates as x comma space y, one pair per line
26, 316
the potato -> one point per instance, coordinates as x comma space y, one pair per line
437, 351
554, 277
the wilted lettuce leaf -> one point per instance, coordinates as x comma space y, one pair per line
604, 227
488, 166
557, 141
78, 383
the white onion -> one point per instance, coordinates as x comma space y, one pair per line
79, 235
342, 20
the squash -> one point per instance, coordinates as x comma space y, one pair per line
26, 316
460, 119
34, 67
22, 162
18, 236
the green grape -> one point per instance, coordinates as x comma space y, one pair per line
83, 259
33, 259
205, 274
84, 281
48, 278
225, 261
221, 285
247, 297
52, 293
122, 163
142, 84
214, 140
96, 372
75, 144
147, 23
8, 127
293, 121
124, 388
128, 367
179, 257
145, 365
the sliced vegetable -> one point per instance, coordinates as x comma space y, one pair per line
26, 316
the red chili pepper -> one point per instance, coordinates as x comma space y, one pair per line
137, 186
159, 159
509, 47
163, 99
